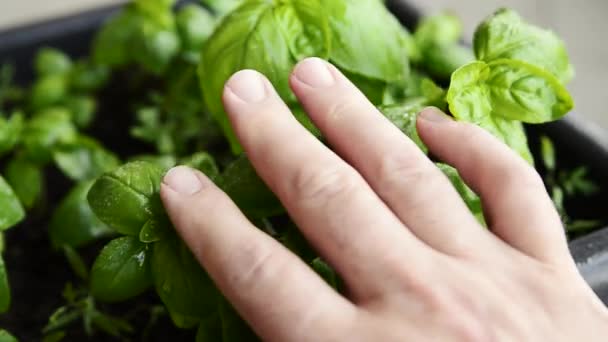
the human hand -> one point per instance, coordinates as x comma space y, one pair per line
416, 264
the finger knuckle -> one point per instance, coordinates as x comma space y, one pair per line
253, 262
324, 184
343, 108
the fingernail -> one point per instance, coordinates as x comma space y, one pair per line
314, 72
433, 114
248, 85
183, 180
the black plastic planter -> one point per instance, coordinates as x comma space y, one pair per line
35, 270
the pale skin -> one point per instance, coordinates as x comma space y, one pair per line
416, 264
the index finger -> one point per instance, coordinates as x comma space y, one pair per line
267, 284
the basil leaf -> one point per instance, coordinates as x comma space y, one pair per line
194, 25
12, 211
241, 182
48, 90
51, 61
367, 39
470, 101
73, 223
10, 132
159, 11
511, 89
121, 270
437, 38
507, 35
86, 76
304, 28
45, 131
84, 159
26, 179
5, 336
203, 162
547, 152
126, 198
5, 289
82, 109
247, 38
111, 45
469, 197
404, 117
153, 231
183, 286
155, 47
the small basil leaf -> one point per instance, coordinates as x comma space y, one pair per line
194, 25
203, 162
73, 223
5, 289
5, 336
469, 197
159, 11
48, 91
404, 117
45, 131
126, 198
26, 179
511, 89
12, 211
10, 132
121, 271
82, 109
241, 182
183, 286
112, 44
156, 47
84, 159
367, 39
507, 35
437, 37
87, 77
51, 61
153, 231
547, 151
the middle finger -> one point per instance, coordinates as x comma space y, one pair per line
331, 203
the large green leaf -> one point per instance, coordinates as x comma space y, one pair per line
128, 197
367, 39
194, 25
122, 270
12, 210
507, 35
73, 222
5, 336
264, 36
515, 90
183, 286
